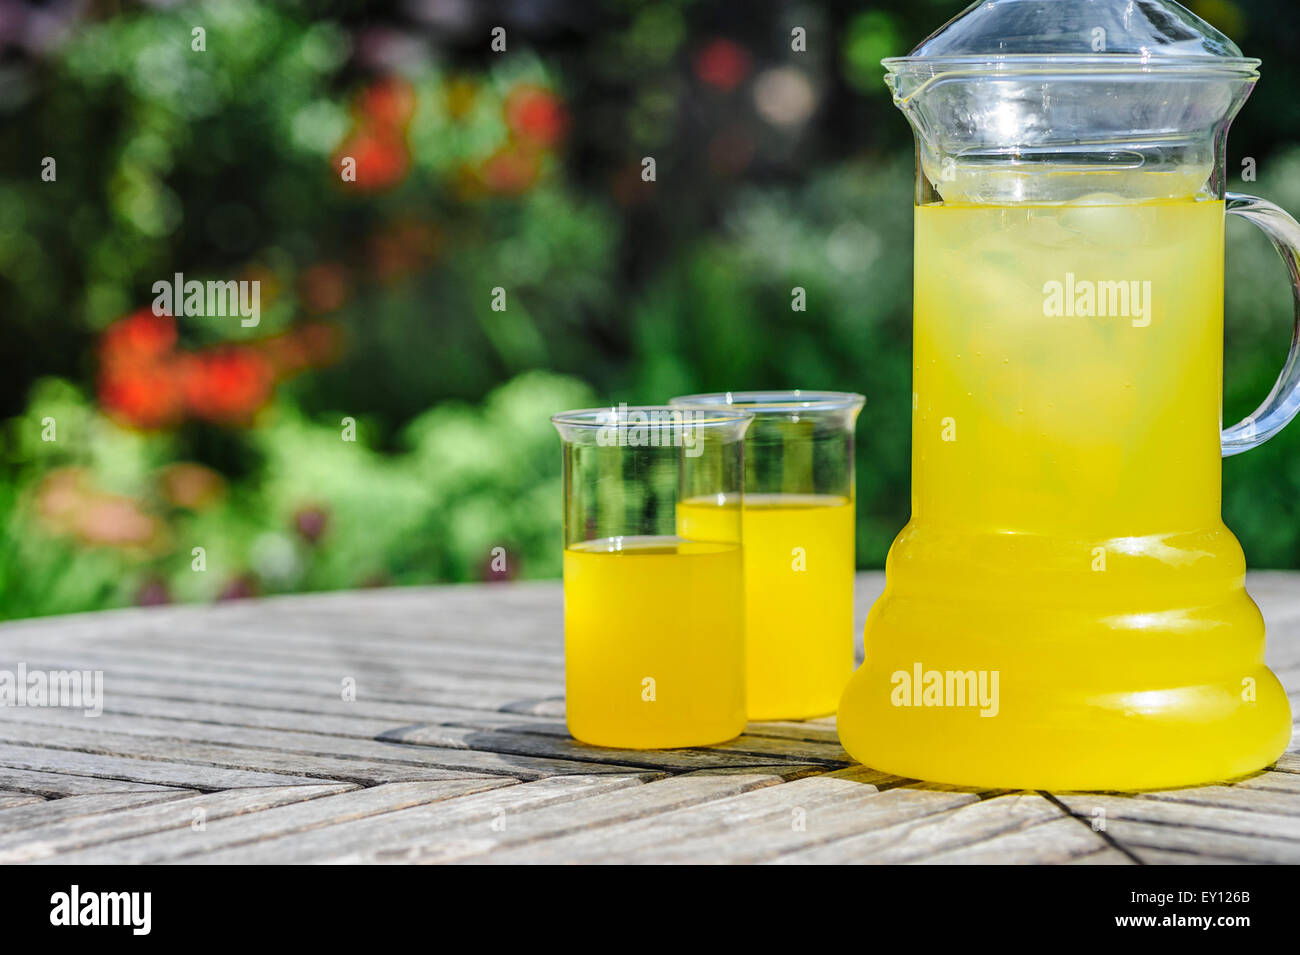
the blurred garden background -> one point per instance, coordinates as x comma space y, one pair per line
129, 439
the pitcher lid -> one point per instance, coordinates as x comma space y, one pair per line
1146, 35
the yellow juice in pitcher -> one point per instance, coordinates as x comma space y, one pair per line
798, 598
1066, 547
654, 642
1070, 357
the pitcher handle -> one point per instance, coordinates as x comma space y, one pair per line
1283, 401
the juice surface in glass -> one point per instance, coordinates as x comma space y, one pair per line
1066, 531
798, 553
654, 642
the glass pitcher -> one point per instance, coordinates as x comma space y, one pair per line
1066, 609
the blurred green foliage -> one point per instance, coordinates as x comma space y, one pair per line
481, 170
469, 478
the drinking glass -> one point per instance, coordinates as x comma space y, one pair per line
653, 611
798, 533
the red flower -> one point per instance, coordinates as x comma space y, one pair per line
227, 384
137, 378
381, 157
147, 395
144, 382
722, 64
536, 115
388, 102
140, 337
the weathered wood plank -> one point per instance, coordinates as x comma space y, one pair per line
63, 750
274, 708
292, 712
1108, 856
552, 706
471, 833
334, 649
1140, 823
1271, 781
250, 827
422, 610
576, 820
268, 652
816, 731
831, 754
425, 723
9, 799
368, 674
481, 695
42, 842
963, 822
1173, 857
1185, 812
1254, 799
415, 835
446, 636
738, 753
490, 734
73, 766
754, 825
1052, 842
451, 727
1287, 763
334, 757
1172, 842
50, 812
56, 785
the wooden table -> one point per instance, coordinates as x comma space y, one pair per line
228, 736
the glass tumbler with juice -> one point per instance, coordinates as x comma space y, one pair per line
653, 613
798, 531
